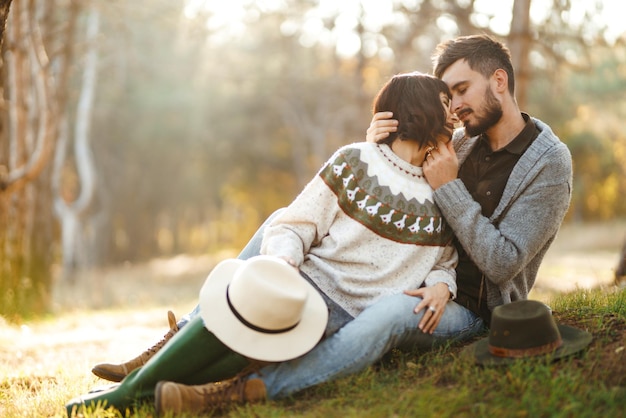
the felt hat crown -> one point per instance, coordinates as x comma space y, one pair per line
262, 308
525, 329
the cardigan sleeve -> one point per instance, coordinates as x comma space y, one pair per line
502, 247
302, 224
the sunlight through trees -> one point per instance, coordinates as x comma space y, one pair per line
204, 119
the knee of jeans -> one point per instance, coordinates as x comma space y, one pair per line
392, 313
399, 303
458, 323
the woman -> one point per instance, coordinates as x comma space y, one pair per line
366, 225
363, 228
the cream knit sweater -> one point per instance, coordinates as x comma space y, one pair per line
364, 227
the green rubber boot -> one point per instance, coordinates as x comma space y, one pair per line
194, 355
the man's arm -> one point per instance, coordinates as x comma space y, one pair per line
503, 247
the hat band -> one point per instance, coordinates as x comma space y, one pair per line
525, 352
252, 326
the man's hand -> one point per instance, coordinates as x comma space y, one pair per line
381, 126
441, 165
434, 301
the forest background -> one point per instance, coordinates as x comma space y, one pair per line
131, 130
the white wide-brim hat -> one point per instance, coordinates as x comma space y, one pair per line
262, 308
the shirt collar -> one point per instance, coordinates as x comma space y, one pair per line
519, 144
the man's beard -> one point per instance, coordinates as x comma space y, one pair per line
491, 114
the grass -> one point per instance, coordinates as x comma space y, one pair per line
441, 383
45, 363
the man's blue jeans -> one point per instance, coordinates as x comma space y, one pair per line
387, 324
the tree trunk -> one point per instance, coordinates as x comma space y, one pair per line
519, 43
74, 242
35, 83
620, 271
4, 14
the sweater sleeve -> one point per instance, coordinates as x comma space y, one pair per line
502, 247
302, 224
444, 270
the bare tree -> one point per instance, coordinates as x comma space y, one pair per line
36, 92
71, 213
5, 6
519, 42
32, 131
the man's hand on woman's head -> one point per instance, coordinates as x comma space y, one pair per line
381, 126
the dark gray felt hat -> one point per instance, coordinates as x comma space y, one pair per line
524, 329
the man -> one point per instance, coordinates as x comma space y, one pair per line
504, 186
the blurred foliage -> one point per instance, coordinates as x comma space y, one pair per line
202, 130
586, 109
203, 127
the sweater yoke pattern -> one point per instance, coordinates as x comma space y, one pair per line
361, 197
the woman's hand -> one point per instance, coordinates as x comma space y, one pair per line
381, 126
289, 261
434, 301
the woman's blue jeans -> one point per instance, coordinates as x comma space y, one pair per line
387, 324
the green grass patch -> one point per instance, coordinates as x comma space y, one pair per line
441, 383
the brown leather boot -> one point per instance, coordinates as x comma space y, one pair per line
177, 399
117, 372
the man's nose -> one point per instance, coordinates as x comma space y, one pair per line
456, 104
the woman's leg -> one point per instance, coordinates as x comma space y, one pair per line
360, 343
186, 358
116, 372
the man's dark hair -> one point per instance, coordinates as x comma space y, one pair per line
415, 100
482, 53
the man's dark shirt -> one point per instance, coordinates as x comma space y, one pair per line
485, 174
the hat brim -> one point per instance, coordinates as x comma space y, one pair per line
220, 320
574, 340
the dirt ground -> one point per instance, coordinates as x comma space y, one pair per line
608, 347
581, 257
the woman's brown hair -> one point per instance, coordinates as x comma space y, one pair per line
415, 101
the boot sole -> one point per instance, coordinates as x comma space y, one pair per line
112, 377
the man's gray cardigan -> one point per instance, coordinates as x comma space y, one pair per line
508, 247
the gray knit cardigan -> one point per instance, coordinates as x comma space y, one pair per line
509, 246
